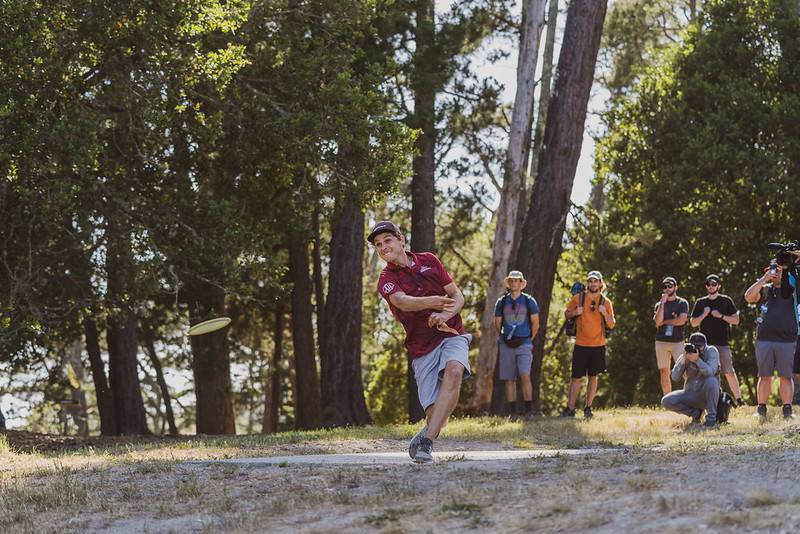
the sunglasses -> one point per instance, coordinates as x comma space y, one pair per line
668, 286
712, 284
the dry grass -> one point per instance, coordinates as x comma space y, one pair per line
654, 484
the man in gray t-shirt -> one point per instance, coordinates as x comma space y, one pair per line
671, 313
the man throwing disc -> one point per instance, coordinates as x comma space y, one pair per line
424, 298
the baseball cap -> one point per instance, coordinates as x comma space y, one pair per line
698, 338
381, 227
714, 277
594, 274
669, 280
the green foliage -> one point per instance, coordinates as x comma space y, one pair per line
700, 166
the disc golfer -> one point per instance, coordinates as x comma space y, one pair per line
424, 298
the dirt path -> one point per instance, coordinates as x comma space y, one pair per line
609, 491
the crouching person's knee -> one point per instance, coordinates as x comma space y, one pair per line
711, 385
667, 401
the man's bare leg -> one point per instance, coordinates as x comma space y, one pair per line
733, 383
574, 389
591, 390
511, 390
764, 389
527, 387
786, 390
447, 399
666, 381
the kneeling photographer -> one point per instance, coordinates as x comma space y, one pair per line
699, 364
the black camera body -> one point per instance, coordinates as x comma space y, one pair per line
689, 348
784, 256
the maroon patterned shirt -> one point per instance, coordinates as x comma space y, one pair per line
425, 277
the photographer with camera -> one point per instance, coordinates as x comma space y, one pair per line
699, 365
670, 317
777, 329
713, 314
516, 318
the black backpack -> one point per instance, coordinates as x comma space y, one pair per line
571, 328
724, 405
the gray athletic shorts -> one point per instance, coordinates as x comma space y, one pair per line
774, 356
725, 359
429, 369
515, 361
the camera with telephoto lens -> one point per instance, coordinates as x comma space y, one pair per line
784, 257
689, 348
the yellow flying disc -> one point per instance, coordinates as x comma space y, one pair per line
212, 325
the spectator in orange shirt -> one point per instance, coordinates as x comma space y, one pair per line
589, 355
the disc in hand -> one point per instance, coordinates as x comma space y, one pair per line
212, 325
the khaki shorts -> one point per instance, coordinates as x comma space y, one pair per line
725, 359
429, 369
666, 350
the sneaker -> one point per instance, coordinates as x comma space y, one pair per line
696, 415
739, 403
414, 444
709, 425
424, 453
761, 413
587, 412
787, 412
566, 412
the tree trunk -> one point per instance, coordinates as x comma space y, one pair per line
506, 213
545, 89
308, 409
342, 386
272, 393
122, 343
319, 286
150, 346
542, 233
105, 400
211, 363
424, 85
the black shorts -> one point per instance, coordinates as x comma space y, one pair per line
588, 361
796, 369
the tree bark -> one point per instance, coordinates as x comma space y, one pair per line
506, 213
105, 400
319, 286
149, 341
211, 363
342, 385
121, 338
308, 408
542, 232
545, 90
424, 85
272, 394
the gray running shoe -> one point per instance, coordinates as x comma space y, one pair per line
567, 412
414, 444
424, 451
